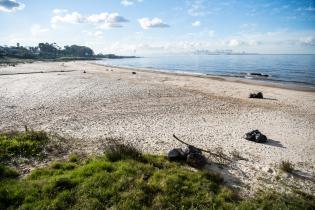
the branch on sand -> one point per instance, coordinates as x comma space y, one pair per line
220, 156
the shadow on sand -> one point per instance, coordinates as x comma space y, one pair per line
264, 98
303, 175
274, 143
271, 99
224, 171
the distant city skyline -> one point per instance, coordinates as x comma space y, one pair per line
147, 27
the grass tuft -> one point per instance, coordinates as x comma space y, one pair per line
74, 158
287, 166
115, 150
6, 172
63, 165
22, 144
275, 200
63, 183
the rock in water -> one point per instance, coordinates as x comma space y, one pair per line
256, 95
196, 160
176, 154
258, 74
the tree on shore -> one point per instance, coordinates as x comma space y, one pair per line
46, 51
53, 51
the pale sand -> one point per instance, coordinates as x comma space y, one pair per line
147, 108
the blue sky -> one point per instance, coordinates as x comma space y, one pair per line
162, 26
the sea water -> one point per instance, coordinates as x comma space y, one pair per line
294, 69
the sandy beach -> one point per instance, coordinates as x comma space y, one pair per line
148, 107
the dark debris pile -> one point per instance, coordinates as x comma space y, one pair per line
256, 95
191, 155
256, 136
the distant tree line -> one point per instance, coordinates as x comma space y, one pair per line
52, 51
45, 50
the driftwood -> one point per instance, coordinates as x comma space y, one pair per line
220, 155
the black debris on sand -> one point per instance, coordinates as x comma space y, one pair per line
256, 136
191, 155
256, 95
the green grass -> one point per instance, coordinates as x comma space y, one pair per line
22, 144
122, 178
152, 183
115, 150
99, 183
6, 172
275, 200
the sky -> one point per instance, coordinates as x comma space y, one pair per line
138, 27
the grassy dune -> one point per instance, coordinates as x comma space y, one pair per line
122, 178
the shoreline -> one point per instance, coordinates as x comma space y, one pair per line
267, 83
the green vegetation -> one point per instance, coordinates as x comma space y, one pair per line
49, 52
275, 200
6, 172
22, 144
124, 178
118, 151
123, 184
45, 51
287, 166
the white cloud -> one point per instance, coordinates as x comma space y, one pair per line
196, 8
152, 23
71, 18
10, 6
234, 42
102, 21
253, 42
107, 20
126, 2
37, 30
98, 33
109, 25
200, 35
242, 41
309, 40
196, 23
59, 11
272, 40
129, 2
280, 41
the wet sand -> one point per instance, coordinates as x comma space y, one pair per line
148, 107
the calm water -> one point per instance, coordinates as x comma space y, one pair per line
298, 69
